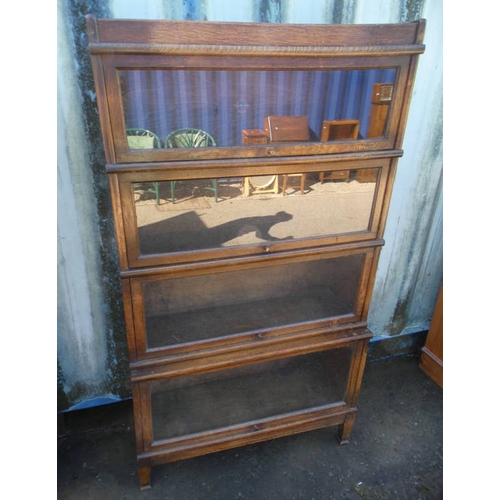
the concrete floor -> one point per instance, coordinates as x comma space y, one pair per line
196, 222
395, 452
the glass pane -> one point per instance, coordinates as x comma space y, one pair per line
253, 107
197, 308
201, 214
216, 400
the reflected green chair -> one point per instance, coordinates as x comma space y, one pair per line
191, 138
140, 138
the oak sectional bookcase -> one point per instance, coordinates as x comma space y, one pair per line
250, 168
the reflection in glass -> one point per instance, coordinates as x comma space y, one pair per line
196, 308
248, 393
241, 107
179, 216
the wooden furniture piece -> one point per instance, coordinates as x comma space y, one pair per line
253, 136
381, 100
246, 319
338, 130
431, 357
366, 176
302, 182
287, 129
258, 184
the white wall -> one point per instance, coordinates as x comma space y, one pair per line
410, 268
82, 349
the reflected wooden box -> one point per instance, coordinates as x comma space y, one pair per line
253, 136
381, 100
366, 175
338, 130
286, 128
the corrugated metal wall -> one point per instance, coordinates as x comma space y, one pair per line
274, 92
92, 355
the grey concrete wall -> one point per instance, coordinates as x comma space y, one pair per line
92, 355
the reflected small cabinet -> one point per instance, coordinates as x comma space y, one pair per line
250, 183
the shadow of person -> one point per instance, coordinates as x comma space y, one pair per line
188, 232
259, 225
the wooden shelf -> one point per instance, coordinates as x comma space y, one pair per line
214, 322
189, 405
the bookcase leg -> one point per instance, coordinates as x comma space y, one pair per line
145, 478
344, 430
